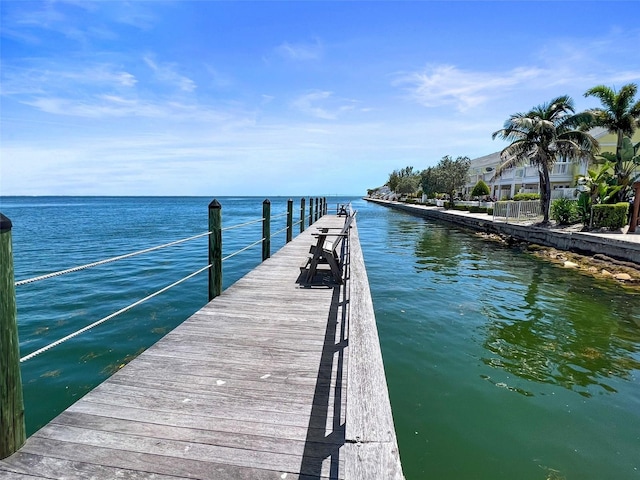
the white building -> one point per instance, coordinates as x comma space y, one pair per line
525, 179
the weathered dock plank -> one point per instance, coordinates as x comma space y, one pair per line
258, 384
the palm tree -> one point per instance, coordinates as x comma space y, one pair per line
541, 136
620, 115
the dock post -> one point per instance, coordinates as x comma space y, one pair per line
215, 249
321, 211
302, 210
266, 229
316, 212
12, 429
310, 210
289, 220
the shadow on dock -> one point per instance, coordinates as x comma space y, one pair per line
326, 431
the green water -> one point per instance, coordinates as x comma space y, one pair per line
499, 365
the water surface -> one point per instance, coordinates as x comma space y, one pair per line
499, 365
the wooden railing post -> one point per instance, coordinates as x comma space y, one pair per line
310, 210
12, 429
325, 205
302, 212
289, 220
215, 249
321, 211
316, 212
266, 229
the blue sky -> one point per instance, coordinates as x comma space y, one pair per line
282, 98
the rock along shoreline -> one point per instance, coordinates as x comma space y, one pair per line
614, 256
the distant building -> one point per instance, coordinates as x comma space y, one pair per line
525, 178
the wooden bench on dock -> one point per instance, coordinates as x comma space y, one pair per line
325, 251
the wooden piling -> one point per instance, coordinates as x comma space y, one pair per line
12, 428
310, 210
289, 220
302, 211
266, 229
215, 249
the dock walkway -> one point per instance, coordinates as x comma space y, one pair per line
271, 380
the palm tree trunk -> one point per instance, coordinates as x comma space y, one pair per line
618, 167
545, 191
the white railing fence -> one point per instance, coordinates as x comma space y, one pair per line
522, 211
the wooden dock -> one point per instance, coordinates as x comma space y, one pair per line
273, 379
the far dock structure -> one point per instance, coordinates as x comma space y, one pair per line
275, 378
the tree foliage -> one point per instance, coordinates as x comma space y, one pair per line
429, 182
451, 175
542, 135
404, 180
626, 163
480, 189
620, 115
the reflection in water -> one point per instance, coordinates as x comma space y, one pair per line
500, 365
571, 341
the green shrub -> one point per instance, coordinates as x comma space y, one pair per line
610, 216
474, 209
564, 211
489, 211
584, 207
526, 196
480, 189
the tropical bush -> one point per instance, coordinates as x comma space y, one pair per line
526, 196
564, 211
610, 216
583, 208
480, 189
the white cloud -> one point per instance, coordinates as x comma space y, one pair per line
301, 51
324, 105
448, 85
166, 73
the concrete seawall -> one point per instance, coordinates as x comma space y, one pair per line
616, 245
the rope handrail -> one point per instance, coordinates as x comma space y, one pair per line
109, 317
279, 231
108, 260
242, 249
243, 224
279, 215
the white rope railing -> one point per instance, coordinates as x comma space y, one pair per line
109, 317
108, 260
148, 297
277, 232
243, 224
242, 249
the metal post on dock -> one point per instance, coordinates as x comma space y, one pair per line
310, 210
302, 211
12, 429
215, 249
289, 220
266, 229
